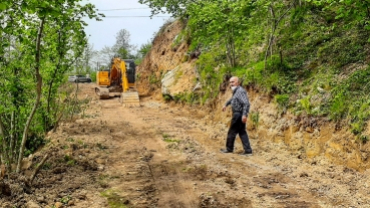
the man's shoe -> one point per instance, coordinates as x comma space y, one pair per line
225, 151
246, 154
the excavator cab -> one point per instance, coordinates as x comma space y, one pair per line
130, 70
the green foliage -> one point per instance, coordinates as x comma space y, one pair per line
145, 48
69, 160
93, 77
153, 79
351, 101
283, 102
354, 11
114, 200
122, 47
167, 98
254, 74
305, 104
359, 115
277, 78
255, 117
316, 46
338, 107
65, 199
165, 136
180, 38
343, 50
46, 166
169, 140
175, 7
189, 98
220, 22
59, 28
363, 138
34, 143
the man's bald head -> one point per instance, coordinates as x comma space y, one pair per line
234, 81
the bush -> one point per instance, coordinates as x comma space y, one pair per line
255, 117
283, 102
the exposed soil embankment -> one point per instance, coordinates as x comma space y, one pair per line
168, 52
312, 138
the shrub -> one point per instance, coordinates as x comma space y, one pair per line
255, 117
283, 102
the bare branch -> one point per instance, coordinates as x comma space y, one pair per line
37, 169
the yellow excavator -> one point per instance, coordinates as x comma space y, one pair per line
118, 81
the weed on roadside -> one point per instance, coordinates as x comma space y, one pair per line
114, 200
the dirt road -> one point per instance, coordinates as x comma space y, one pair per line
163, 155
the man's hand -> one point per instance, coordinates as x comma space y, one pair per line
224, 108
244, 119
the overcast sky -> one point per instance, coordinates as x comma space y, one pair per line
103, 33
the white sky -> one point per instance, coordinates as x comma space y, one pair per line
103, 33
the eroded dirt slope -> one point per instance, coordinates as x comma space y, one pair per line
169, 51
310, 137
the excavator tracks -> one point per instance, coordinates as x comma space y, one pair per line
130, 99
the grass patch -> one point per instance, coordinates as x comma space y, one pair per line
65, 199
115, 200
167, 138
282, 102
70, 139
255, 117
101, 146
46, 166
69, 160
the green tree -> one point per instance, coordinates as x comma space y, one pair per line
221, 23
39, 43
144, 49
122, 47
358, 11
177, 8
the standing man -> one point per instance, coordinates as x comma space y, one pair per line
240, 107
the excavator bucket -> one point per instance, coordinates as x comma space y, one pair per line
130, 99
103, 93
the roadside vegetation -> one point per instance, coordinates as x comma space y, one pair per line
310, 57
41, 42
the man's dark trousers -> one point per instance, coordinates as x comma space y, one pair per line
237, 127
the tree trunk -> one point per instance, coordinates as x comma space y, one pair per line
4, 152
38, 95
274, 27
12, 137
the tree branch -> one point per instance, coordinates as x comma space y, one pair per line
37, 169
38, 96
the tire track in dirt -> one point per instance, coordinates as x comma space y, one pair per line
175, 188
160, 157
161, 172
278, 185
167, 156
